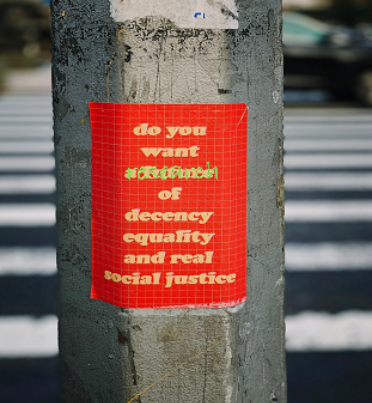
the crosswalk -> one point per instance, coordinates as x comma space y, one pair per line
328, 162
328, 174
28, 279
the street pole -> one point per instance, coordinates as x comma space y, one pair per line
140, 52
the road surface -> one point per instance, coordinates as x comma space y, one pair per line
328, 173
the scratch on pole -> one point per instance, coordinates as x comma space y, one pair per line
173, 371
109, 67
108, 77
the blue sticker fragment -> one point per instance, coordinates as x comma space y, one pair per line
199, 15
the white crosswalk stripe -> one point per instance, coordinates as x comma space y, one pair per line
29, 147
328, 211
25, 164
349, 117
18, 261
336, 144
27, 215
25, 132
322, 182
328, 256
316, 131
26, 119
29, 100
328, 161
26, 337
28, 184
319, 331
37, 109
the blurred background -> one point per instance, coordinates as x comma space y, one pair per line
328, 175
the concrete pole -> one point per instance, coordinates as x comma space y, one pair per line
111, 354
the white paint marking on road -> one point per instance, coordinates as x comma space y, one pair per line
25, 133
26, 147
328, 181
24, 104
25, 100
328, 256
27, 164
27, 337
328, 145
30, 184
346, 117
27, 215
334, 130
25, 110
327, 161
328, 211
215, 14
313, 331
26, 119
27, 261
29, 108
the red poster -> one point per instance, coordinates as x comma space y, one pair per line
169, 205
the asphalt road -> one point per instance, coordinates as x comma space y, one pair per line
328, 172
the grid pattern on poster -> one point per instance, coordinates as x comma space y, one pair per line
210, 270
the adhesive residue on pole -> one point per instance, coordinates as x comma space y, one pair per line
202, 14
169, 205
